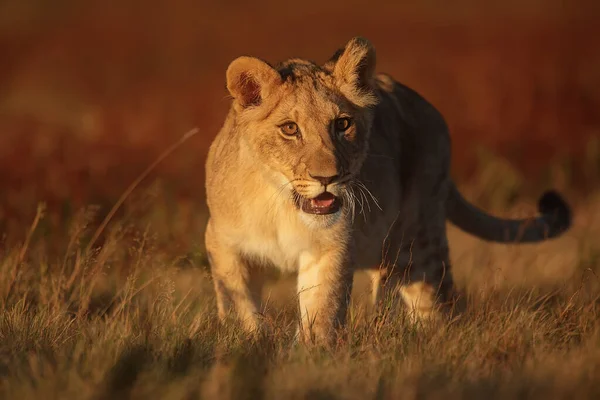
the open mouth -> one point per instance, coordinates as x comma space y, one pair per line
325, 203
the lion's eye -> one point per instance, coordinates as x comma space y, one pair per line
289, 129
342, 124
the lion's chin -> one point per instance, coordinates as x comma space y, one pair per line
321, 221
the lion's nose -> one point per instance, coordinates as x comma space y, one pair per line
325, 180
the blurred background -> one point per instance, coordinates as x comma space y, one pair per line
92, 92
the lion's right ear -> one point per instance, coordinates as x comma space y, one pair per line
354, 70
250, 80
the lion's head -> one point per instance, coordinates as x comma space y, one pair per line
307, 124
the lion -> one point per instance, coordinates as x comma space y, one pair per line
324, 170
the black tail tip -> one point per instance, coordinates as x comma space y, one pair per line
556, 211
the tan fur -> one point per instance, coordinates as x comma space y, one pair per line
391, 168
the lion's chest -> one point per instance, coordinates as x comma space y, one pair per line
277, 242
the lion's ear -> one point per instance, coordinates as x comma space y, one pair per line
250, 80
354, 71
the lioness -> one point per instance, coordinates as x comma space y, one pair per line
325, 169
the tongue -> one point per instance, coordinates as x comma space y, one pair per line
323, 200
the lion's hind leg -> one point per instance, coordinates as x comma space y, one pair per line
418, 276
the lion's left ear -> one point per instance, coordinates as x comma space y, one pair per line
354, 71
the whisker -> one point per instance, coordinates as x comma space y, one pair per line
348, 195
371, 194
362, 200
363, 195
346, 200
279, 191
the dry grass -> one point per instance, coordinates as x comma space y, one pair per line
135, 318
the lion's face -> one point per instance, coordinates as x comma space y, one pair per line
308, 125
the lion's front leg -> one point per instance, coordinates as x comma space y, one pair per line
324, 289
234, 283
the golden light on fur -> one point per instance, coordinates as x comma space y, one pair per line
292, 204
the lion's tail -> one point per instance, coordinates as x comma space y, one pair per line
554, 219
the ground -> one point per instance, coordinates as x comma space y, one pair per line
134, 316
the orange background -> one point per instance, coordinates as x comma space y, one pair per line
91, 92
